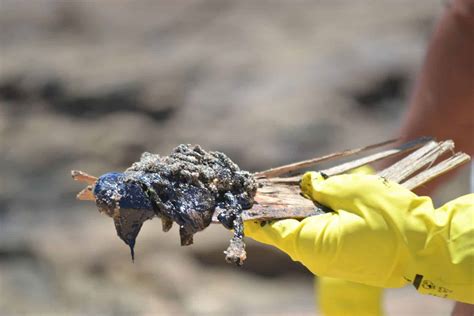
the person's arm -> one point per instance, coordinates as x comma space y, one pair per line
380, 234
442, 103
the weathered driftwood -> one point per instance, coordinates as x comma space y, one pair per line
344, 167
86, 193
278, 171
280, 197
276, 197
417, 160
437, 170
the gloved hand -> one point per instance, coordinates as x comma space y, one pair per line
380, 234
337, 297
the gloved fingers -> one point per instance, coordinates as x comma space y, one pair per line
309, 181
280, 233
342, 297
301, 240
322, 245
357, 192
365, 169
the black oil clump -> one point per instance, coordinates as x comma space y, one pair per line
186, 187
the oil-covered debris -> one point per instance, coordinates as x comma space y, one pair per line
186, 187
126, 203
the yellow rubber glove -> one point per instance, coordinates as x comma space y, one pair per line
380, 234
337, 297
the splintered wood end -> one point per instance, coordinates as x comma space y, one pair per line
86, 194
81, 176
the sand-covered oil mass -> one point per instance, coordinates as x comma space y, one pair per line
186, 187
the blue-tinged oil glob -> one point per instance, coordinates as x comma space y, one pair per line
112, 185
126, 202
186, 188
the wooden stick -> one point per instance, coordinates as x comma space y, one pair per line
278, 171
377, 156
407, 147
279, 198
286, 200
86, 194
280, 201
417, 160
441, 168
81, 176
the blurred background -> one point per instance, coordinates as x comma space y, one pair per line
92, 84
